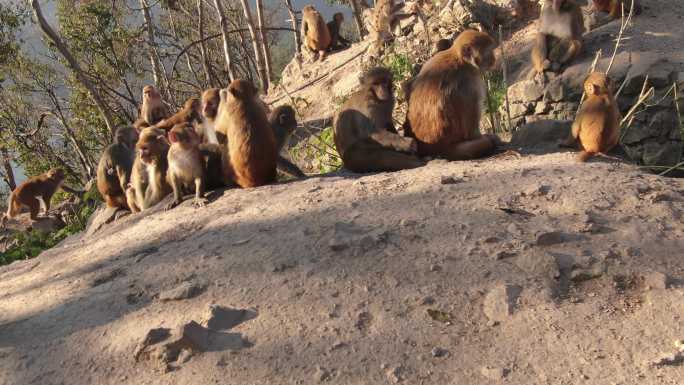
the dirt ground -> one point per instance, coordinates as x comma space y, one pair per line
375, 279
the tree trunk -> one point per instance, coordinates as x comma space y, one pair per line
160, 79
264, 42
73, 65
9, 172
226, 41
356, 12
203, 45
295, 26
261, 68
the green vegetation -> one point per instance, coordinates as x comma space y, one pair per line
319, 150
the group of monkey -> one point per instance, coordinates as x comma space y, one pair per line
228, 137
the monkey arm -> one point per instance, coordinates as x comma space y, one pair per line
124, 177
289, 168
394, 141
572, 52
540, 53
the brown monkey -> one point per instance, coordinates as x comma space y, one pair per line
337, 41
26, 194
440, 45
614, 7
251, 143
114, 169
315, 33
559, 38
283, 123
148, 177
185, 164
597, 124
446, 98
364, 132
210, 103
152, 109
191, 113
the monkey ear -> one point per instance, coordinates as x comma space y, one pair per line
596, 89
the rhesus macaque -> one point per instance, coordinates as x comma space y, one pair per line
446, 100
148, 183
283, 123
315, 33
114, 169
214, 160
191, 113
614, 7
152, 110
559, 38
210, 102
26, 194
364, 132
597, 124
252, 152
186, 166
337, 41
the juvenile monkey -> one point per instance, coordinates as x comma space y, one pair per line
251, 143
152, 109
210, 103
614, 7
26, 194
114, 168
337, 41
446, 98
559, 39
597, 124
191, 113
364, 132
148, 178
283, 123
185, 164
315, 33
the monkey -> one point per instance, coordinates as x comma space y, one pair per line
283, 123
190, 113
446, 100
210, 102
114, 168
315, 33
26, 194
363, 130
337, 41
614, 7
152, 109
440, 45
252, 156
148, 183
559, 38
185, 164
597, 124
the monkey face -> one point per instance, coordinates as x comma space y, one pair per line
476, 48
339, 18
598, 83
382, 90
210, 103
150, 93
151, 145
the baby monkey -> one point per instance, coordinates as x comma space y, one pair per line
185, 164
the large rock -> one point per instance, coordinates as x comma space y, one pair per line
543, 134
501, 301
655, 140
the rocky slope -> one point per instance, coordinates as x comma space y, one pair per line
516, 269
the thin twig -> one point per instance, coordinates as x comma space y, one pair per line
591, 70
677, 166
504, 66
623, 26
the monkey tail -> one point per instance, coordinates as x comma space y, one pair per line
584, 156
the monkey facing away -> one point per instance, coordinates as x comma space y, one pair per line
559, 39
185, 164
364, 132
191, 113
614, 7
283, 123
447, 97
148, 183
26, 194
114, 168
152, 109
252, 151
210, 103
337, 41
315, 33
597, 125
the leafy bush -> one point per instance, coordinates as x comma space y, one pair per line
320, 151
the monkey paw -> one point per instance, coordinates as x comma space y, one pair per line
200, 202
172, 205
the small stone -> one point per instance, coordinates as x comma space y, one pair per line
492, 323
321, 374
407, 223
428, 300
184, 291
656, 280
491, 239
494, 374
438, 352
435, 267
550, 238
449, 180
